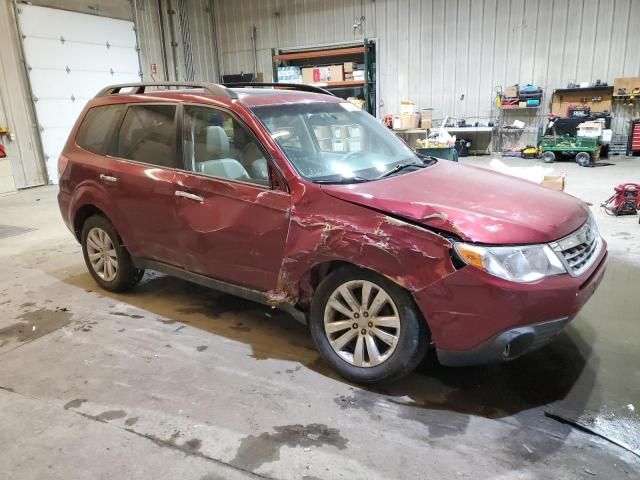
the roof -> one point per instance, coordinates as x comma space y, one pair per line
250, 97
255, 97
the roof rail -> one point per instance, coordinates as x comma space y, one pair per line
210, 88
287, 86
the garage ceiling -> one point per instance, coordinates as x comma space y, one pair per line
71, 56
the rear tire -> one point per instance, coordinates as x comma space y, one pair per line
370, 337
107, 260
549, 157
583, 159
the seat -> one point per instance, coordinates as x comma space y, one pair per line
217, 142
254, 158
219, 163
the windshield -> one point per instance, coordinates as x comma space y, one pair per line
328, 141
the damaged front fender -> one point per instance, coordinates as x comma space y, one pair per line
411, 256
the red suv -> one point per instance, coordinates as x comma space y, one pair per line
300, 200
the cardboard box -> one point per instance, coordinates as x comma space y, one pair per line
332, 73
289, 75
554, 182
349, 67
307, 75
590, 129
407, 106
336, 73
358, 74
511, 91
425, 117
409, 120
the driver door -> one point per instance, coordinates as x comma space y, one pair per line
234, 223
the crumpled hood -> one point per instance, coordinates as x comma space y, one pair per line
474, 203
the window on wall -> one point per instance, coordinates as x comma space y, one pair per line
96, 131
148, 135
219, 145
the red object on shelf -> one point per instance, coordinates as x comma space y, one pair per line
635, 136
3, 154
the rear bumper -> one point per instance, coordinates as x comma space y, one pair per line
506, 346
473, 316
64, 201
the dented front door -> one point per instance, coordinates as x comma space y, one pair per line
232, 231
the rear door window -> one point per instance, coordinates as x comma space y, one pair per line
148, 135
96, 131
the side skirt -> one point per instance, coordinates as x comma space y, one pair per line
209, 282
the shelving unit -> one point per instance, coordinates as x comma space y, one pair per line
508, 138
361, 53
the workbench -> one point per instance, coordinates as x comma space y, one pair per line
480, 138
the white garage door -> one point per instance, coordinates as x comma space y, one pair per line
70, 57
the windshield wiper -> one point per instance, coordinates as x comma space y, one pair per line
342, 180
401, 166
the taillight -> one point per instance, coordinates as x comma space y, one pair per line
62, 165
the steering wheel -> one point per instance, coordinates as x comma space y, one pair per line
354, 154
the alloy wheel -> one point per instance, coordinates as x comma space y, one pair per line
102, 254
362, 323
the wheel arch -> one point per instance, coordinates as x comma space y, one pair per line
81, 216
311, 279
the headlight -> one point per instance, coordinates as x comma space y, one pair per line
522, 264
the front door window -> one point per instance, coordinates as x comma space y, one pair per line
218, 145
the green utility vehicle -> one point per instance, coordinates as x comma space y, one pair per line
585, 149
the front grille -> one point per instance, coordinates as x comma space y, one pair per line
579, 250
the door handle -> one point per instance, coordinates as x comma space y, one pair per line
108, 178
190, 196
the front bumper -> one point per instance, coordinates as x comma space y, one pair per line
506, 346
474, 316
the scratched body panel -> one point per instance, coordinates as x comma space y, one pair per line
412, 257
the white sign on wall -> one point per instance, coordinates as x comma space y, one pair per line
70, 57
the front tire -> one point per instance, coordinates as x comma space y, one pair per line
367, 327
548, 157
107, 259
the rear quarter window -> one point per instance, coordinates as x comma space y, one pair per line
96, 131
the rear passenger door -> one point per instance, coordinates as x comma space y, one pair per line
147, 153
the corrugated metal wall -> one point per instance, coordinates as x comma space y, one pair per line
446, 54
187, 36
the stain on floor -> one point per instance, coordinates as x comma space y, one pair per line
131, 421
111, 415
256, 450
33, 325
218, 305
193, 444
7, 231
74, 403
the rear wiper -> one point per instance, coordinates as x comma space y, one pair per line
342, 180
401, 166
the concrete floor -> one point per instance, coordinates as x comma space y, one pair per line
175, 381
